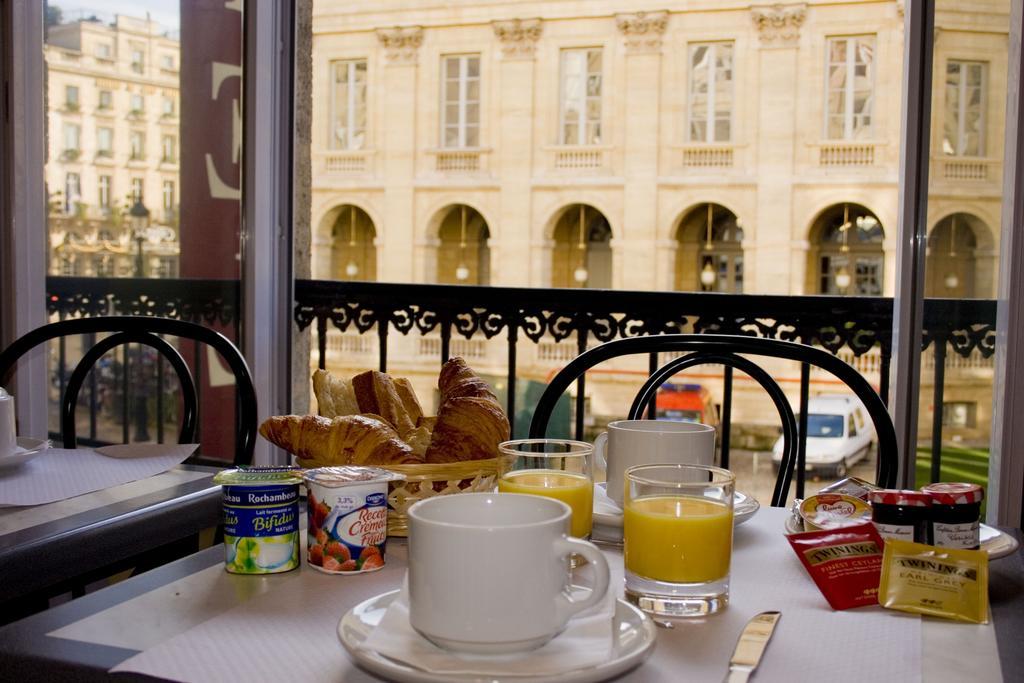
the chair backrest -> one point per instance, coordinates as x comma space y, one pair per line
144, 330
723, 349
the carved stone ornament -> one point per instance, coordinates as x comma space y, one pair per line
401, 43
778, 24
518, 37
643, 30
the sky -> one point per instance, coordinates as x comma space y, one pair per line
164, 12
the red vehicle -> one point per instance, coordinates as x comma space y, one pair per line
685, 403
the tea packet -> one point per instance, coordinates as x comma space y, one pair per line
845, 563
940, 582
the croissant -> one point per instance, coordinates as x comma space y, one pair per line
334, 395
348, 440
468, 428
458, 379
375, 392
410, 402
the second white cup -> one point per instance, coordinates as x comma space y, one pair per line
8, 436
489, 572
645, 442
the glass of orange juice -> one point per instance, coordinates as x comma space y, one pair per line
677, 534
554, 468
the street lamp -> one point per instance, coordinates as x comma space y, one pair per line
138, 217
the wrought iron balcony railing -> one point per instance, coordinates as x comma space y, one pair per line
859, 328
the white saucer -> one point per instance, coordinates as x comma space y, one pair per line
993, 541
608, 515
26, 450
634, 639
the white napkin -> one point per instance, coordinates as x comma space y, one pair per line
60, 473
585, 642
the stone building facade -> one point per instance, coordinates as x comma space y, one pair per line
113, 142
693, 145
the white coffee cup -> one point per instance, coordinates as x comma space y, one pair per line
489, 572
8, 436
647, 442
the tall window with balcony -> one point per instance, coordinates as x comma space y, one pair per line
103, 51
167, 107
850, 86
167, 150
138, 145
71, 103
103, 185
138, 105
711, 93
348, 105
72, 192
460, 101
964, 126
581, 86
104, 142
138, 60
72, 141
353, 254
105, 100
168, 201
137, 194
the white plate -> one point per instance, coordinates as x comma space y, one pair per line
993, 541
26, 450
608, 515
634, 640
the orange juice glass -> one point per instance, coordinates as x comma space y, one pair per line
553, 468
677, 533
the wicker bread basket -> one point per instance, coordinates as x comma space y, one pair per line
442, 479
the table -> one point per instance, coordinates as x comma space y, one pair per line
44, 546
107, 627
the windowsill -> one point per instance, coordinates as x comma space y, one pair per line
104, 160
108, 111
459, 150
566, 148
136, 163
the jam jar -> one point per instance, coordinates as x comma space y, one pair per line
955, 514
901, 514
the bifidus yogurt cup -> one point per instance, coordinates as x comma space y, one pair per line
261, 519
347, 523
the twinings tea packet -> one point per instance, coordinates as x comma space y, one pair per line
845, 563
940, 582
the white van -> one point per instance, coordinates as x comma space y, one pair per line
839, 434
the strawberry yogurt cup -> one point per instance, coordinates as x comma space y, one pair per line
347, 511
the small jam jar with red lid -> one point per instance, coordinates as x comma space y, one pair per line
955, 514
901, 514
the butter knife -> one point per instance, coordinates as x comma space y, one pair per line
751, 646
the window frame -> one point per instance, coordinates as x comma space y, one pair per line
581, 131
849, 131
351, 65
710, 119
962, 107
104, 189
462, 125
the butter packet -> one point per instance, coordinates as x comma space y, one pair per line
940, 582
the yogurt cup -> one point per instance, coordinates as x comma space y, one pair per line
347, 526
261, 519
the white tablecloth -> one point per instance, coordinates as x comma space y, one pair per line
213, 626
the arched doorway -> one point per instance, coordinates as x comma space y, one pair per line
846, 252
463, 256
950, 270
709, 253
353, 254
582, 255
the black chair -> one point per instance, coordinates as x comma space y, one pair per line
703, 349
144, 330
